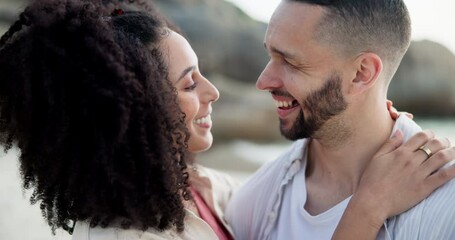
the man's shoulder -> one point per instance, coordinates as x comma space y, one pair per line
445, 193
275, 170
430, 219
271, 173
442, 199
250, 207
440, 205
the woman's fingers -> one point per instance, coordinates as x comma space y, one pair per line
409, 115
392, 111
392, 143
401, 176
423, 145
394, 114
419, 139
435, 170
432, 147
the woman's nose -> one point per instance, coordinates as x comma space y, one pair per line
211, 91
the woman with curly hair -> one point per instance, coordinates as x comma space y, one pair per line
100, 131
107, 107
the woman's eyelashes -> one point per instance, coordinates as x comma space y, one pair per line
192, 87
191, 84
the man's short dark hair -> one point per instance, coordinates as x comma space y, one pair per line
379, 26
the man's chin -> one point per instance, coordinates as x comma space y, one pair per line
294, 134
295, 129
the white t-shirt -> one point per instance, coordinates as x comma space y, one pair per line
263, 208
294, 222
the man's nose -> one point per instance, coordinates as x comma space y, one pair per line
269, 78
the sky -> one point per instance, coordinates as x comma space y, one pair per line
431, 20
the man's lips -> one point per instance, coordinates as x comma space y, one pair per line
285, 106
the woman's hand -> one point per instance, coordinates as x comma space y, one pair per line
394, 112
397, 178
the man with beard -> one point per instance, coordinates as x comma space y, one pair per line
330, 66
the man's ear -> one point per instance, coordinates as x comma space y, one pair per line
368, 67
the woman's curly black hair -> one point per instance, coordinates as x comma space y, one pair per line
85, 97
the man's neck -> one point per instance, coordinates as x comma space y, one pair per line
335, 167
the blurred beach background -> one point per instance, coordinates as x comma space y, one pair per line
228, 36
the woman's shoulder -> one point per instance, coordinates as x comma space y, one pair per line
83, 231
216, 177
195, 228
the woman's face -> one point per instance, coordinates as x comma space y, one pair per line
195, 92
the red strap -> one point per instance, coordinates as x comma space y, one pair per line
207, 215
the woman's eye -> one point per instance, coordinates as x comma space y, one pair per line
192, 87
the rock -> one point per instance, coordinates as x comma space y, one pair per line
9, 10
229, 45
3, 28
226, 40
425, 82
243, 112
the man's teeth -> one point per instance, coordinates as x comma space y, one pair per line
203, 120
281, 104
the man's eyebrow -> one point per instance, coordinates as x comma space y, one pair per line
186, 71
281, 52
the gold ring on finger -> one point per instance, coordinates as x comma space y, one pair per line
426, 150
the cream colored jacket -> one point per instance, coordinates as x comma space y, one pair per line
214, 187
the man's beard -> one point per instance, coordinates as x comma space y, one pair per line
321, 106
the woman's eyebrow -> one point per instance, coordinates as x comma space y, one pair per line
186, 71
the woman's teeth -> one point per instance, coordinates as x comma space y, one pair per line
203, 120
